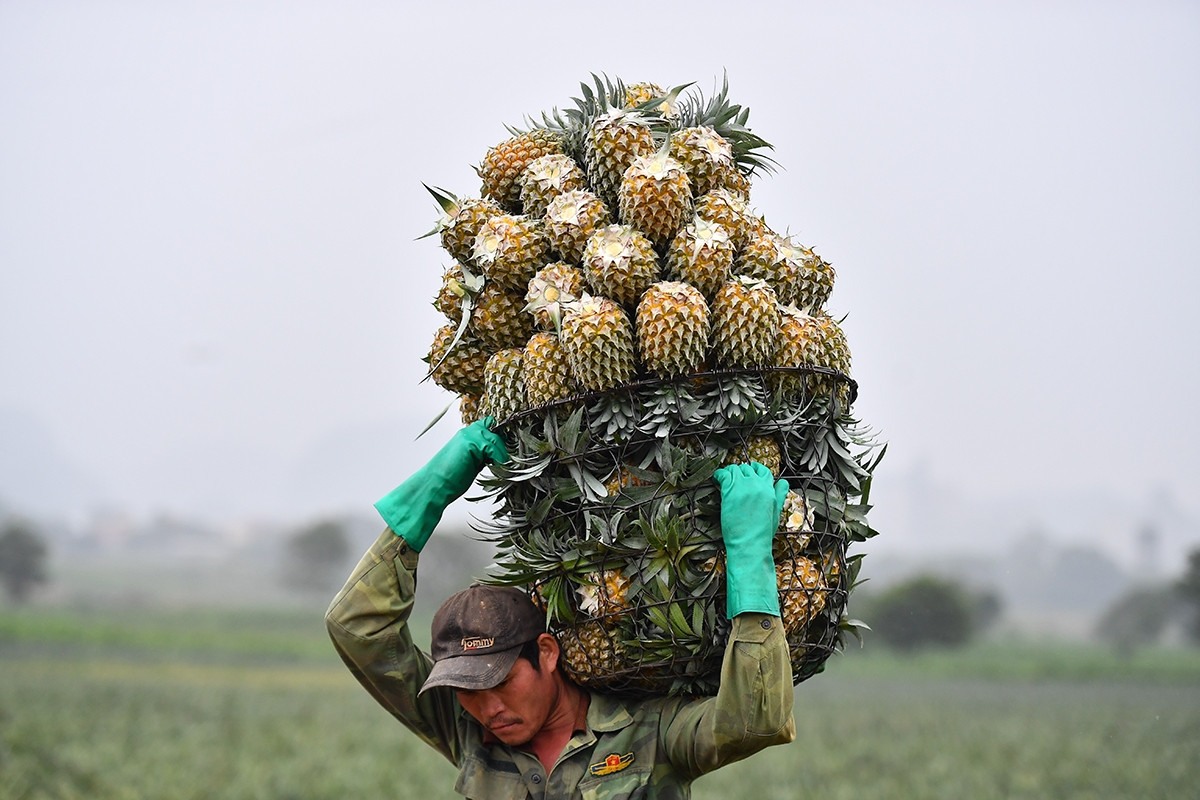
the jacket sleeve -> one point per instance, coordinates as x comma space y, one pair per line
752, 709
368, 623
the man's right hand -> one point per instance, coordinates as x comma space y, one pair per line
413, 509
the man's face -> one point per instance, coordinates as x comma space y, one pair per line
516, 708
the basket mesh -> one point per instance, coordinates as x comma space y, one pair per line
609, 518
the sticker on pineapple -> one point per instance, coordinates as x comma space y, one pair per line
612, 763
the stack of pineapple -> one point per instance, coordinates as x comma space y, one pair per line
633, 325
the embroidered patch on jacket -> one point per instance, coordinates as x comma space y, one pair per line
612, 763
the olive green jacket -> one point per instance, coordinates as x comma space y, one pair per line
632, 747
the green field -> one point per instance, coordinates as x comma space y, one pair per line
238, 705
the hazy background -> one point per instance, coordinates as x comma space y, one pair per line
213, 303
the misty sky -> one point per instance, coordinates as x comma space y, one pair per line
212, 299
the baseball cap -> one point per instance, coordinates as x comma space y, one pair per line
478, 634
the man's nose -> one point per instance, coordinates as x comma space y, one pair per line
490, 703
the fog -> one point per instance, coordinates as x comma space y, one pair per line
213, 301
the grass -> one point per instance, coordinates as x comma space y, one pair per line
232, 705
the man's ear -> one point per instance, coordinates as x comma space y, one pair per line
548, 651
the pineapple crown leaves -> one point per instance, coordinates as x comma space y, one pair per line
853, 627
613, 417
548, 297
564, 444
468, 289
729, 121
735, 399
670, 407
673, 111
572, 123
447, 201
838, 452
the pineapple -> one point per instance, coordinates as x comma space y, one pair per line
510, 248
701, 254
804, 594
469, 408
504, 384
604, 594
449, 299
797, 515
546, 371
623, 477
459, 369
461, 221
547, 177
619, 262
756, 226
613, 142
835, 355
498, 318
598, 341
811, 340
570, 219
736, 183
638, 93
745, 324
503, 164
590, 651
655, 196
728, 211
763, 449
707, 157
816, 282
777, 261
799, 345
672, 329
549, 289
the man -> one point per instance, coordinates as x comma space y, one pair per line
493, 699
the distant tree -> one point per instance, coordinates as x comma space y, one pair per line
315, 557
23, 554
987, 608
1188, 588
1137, 618
923, 612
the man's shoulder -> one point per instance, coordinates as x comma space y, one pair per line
613, 711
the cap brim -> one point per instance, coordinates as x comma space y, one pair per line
474, 672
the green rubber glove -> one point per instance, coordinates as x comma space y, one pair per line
412, 510
751, 502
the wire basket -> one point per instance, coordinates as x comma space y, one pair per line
609, 518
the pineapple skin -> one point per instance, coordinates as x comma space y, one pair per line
772, 258
745, 324
613, 142
549, 289
498, 319
598, 340
503, 164
510, 248
728, 211
672, 329
619, 262
655, 196
458, 230
546, 370
504, 384
547, 177
706, 156
701, 254
450, 296
459, 370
